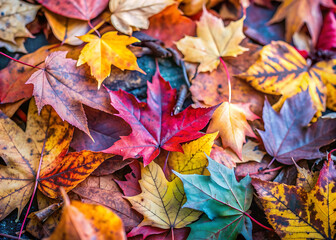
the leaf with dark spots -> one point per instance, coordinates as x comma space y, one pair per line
153, 124
105, 130
295, 213
45, 134
287, 134
65, 87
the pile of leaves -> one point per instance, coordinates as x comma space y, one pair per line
103, 148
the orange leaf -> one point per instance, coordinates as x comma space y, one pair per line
231, 121
101, 53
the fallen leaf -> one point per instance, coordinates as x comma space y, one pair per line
191, 7
104, 191
250, 152
153, 233
21, 152
160, 201
212, 42
170, 26
78, 9
15, 15
231, 121
327, 37
287, 134
297, 214
281, 70
65, 87
155, 123
88, 221
132, 13
18, 46
209, 89
223, 199
14, 76
105, 130
10, 108
193, 159
101, 52
131, 186
309, 13
305, 178
67, 29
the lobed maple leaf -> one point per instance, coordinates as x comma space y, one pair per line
134, 13
212, 42
153, 124
295, 213
65, 87
231, 121
327, 37
101, 52
287, 135
223, 199
298, 12
22, 152
15, 14
160, 201
78, 9
88, 221
281, 70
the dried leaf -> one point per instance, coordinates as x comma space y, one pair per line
133, 13
65, 87
101, 52
212, 42
15, 15
297, 214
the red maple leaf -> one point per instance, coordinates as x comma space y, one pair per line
153, 124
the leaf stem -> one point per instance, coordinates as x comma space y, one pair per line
261, 225
92, 27
172, 232
227, 76
36, 183
8, 236
27, 64
329, 154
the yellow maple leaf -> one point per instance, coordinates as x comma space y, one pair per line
101, 52
281, 70
161, 201
133, 13
295, 213
193, 159
231, 121
212, 42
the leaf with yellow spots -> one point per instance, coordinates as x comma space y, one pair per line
161, 201
88, 221
230, 119
281, 70
212, 42
101, 52
306, 179
295, 213
193, 159
21, 151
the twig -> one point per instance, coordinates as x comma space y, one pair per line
27, 64
228, 77
92, 27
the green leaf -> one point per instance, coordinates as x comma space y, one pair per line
223, 199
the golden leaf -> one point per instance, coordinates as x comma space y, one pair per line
101, 53
212, 42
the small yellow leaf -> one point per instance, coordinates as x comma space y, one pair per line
212, 42
101, 53
231, 122
161, 201
193, 159
305, 178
